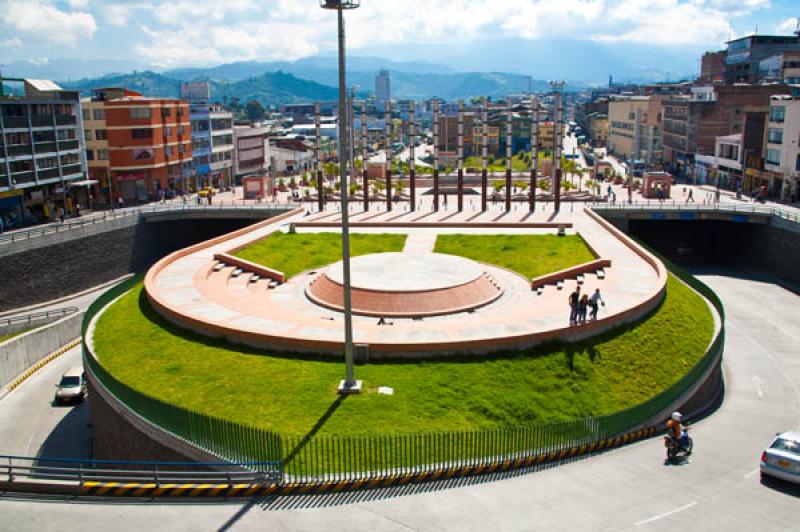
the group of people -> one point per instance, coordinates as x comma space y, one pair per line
581, 305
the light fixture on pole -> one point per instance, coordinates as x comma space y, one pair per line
349, 385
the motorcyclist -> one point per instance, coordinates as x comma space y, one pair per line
677, 430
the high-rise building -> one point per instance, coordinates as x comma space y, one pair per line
212, 137
383, 89
42, 162
138, 148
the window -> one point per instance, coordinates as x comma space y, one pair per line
141, 133
87, 134
102, 155
101, 134
17, 138
773, 157
797, 165
777, 113
21, 166
168, 151
181, 148
44, 136
46, 162
141, 112
181, 130
165, 112
86, 114
69, 159
99, 114
167, 131
90, 155
775, 135
66, 134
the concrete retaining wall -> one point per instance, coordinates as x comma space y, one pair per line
22, 352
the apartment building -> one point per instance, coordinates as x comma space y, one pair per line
782, 146
249, 152
212, 138
138, 148
783, 67
634, 127
693, 122
41, 150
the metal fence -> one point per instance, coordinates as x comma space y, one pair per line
30, 319
106, 216
313, 458
786, 213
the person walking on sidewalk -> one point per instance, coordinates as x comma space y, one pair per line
594, 300
574, 302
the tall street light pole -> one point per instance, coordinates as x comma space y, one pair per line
349, 385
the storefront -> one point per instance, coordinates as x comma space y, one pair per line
11, 209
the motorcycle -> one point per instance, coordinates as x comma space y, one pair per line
677, 448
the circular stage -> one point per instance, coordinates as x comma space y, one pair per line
406, 285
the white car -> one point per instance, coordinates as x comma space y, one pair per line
782, 458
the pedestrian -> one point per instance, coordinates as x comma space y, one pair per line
594, 300
120, 202
574, 301
583, 304
1, 225
690, 197
60, 214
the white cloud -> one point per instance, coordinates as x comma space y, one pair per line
78, 3
13, 43
787, 27
45, 21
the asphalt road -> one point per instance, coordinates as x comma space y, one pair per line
31, 425
627, 489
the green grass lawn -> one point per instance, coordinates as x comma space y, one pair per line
291, 395
295, 253
528, 255
4, 337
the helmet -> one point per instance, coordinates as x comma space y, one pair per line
676, 416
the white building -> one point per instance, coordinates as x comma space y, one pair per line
782, 143
249, 151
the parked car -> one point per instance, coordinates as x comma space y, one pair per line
782, 458
72, 388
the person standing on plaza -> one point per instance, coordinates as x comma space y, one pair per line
690, 197
574, 301
583, 304
594, 300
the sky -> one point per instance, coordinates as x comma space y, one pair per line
183, 33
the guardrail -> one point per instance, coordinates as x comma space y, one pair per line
313, 459
30, 318
34, 232
79, 472
791, 215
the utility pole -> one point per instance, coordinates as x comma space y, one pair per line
436, 155
412, 165
534, 152
509, 140
557, 86
460, 155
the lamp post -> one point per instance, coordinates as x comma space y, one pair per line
349, 385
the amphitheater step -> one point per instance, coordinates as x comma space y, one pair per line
601, 274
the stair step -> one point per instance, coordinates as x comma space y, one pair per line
255, 278
601, 274
237, 272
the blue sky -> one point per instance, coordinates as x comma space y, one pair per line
206, 32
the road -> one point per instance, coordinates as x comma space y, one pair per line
30, 425
626, 489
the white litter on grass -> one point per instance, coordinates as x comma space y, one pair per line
385, 390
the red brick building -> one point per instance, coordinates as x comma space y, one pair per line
140, 148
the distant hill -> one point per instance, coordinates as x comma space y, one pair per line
274, 88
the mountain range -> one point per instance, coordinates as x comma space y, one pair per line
316, 78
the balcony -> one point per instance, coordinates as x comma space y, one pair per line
50, 173
22, 149
72, 169
45, 147
23, 177
65, 145
15, 122
66, 120
41, 121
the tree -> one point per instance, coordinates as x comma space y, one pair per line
254, 111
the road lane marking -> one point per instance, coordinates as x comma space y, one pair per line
757, 381
666, 514
752, 473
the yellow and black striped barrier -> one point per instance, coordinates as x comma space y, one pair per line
42, 363
150, 490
